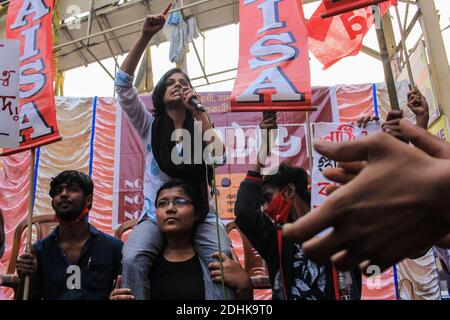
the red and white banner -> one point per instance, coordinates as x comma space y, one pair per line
9, 93
273, 71
30, 21
341, 36
335, 7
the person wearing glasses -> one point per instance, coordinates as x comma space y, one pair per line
162, 135
178, 273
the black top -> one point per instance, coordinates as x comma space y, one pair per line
177, 280
98, 266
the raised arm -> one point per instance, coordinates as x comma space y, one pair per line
419, 106
152, 24
257, 226
127, 95
268, 125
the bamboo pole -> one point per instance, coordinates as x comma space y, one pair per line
26, 288
390, 82
309, 134
405, 50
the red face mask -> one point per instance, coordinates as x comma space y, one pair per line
279, 208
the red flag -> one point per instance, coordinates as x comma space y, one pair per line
30, 21
273, 71
335, 7
341, 36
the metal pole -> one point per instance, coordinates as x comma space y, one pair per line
106, 39
390, 82
133, 23
89, 27
200, 62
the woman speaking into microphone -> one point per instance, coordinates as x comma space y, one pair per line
163, 134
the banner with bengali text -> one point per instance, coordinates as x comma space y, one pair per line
31, 23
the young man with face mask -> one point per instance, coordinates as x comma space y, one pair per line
285, 198
76, 261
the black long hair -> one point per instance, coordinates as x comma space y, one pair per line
160, 90
162, 145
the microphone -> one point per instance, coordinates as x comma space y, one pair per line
196, 104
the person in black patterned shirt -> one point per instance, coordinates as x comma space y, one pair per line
285, 198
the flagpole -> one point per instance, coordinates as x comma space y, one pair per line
390, 82
405, 50
26, 287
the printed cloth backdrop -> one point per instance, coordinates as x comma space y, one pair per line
98, 140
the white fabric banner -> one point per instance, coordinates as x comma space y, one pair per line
418, 278
334, 132
9, 93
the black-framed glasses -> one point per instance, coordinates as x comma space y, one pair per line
177, 202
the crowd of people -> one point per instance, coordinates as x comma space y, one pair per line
389, 203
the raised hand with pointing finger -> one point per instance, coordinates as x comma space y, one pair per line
152, 24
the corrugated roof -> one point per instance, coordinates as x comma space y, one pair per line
210, 14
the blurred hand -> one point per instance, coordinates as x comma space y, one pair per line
344, 173
378, 217
362, 122
420, 138
392, 125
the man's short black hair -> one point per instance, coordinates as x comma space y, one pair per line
288, 174
72, 176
